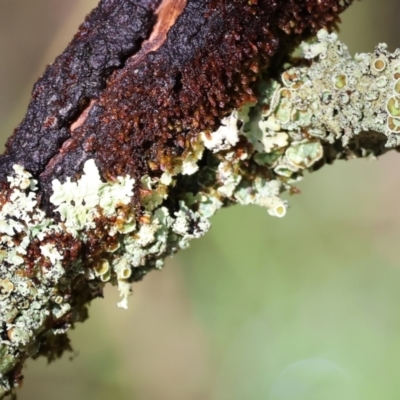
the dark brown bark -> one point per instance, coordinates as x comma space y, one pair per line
137, 82
141, 77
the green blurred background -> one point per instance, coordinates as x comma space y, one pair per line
301, 308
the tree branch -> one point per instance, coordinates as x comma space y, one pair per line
158, 114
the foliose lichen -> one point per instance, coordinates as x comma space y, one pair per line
52, 267
338, 97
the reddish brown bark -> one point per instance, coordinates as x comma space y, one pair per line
142, 77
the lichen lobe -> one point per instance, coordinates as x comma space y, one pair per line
175, 135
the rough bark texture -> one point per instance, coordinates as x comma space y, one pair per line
132, 108
141, 90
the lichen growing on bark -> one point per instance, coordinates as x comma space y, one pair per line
52, 267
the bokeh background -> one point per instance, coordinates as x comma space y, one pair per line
301, 308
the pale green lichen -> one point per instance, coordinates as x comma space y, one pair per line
307, 118
339, 97
79, 202
25, 303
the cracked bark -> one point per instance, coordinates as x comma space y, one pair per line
130, 96
136, 86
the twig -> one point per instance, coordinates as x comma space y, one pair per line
149, 123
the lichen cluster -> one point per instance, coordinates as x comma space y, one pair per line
338, 97
38, 270
50, 268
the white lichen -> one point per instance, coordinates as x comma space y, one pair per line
225, 137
